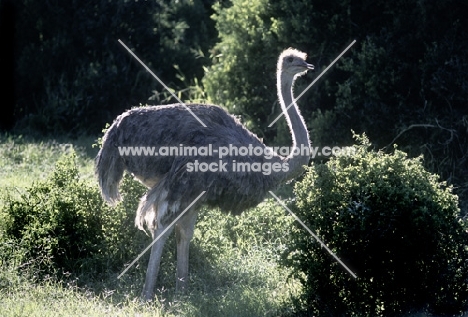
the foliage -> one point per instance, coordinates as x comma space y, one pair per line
393, 223
74, 76
242, 76
24, 159
62, 224
266, 224
403, 81
57, 220
252, 34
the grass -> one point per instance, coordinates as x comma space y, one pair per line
233, 261
24, 160
53, 299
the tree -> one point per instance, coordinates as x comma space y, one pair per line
74, 76
404, 80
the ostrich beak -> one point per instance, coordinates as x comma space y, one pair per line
310, 67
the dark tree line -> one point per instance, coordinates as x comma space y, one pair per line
71, 74
7, 65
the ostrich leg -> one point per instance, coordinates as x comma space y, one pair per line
184, 233
154, 262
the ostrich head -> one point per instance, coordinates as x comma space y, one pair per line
293, 62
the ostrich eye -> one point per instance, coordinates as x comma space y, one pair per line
290, 59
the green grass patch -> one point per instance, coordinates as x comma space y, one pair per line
24, 160
55, 299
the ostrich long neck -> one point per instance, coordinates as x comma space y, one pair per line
300, 135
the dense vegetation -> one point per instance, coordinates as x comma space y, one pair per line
72, 76
404, 82
59, 240
395, 224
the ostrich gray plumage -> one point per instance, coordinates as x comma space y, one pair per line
171, 186
172, 125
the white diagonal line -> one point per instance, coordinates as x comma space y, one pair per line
160, 235
161, 82
312, 83
314, 235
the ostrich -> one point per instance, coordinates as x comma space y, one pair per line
172, 186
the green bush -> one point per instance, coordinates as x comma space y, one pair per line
62, 224
123, 241
393, 223
57, 220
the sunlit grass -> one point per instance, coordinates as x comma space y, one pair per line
53, 299
25, 160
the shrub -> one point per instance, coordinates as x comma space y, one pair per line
62, 224
57, 220
123, 241
393, 223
